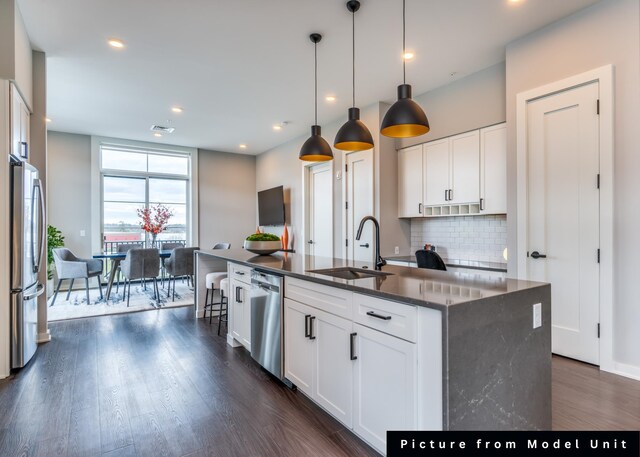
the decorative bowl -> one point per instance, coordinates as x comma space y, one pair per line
263, 247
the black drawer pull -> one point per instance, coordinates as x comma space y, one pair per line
352, 344
307, 334
378, 316
537, 255
311, 319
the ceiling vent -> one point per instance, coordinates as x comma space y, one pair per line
159, 128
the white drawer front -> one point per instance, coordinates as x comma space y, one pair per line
397, 319
330, 299
240, 272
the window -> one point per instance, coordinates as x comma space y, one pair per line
135, 178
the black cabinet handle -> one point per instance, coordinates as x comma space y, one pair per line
352, 345
446, 195
238, 294
307, 334
311, 319
537, 255
241, 273
419, 208
378, 316
366, 245
482, 204
450, 194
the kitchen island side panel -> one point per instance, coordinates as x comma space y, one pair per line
499, 366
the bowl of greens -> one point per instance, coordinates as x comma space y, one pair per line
263, 243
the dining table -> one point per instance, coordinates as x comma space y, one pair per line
116, 258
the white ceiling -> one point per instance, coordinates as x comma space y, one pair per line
238, 67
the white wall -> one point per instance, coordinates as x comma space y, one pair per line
69, 189
227, 200
606, 33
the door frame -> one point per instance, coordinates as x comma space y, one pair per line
604, 76
306, 203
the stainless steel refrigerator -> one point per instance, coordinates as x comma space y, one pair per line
28, 233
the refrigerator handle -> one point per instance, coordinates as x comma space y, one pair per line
43, 226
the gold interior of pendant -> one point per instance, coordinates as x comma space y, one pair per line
353, 146
404, 130
315, 158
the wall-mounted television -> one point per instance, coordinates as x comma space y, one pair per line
271, 206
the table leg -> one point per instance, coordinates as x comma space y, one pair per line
112, 276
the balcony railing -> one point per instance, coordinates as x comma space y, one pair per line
111, 247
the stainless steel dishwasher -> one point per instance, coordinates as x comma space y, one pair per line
266, 321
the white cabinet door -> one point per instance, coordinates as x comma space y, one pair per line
464, 151
19, 124
334, 368
493, 169
385, 386
299, 350
436, 172
237, 310
410, 191
245, 296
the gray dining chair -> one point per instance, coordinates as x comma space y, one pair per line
180, 263
168, 246
123, 248
141, 264
68, 266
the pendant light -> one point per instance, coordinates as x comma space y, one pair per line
405, 118
316, 149
353, 135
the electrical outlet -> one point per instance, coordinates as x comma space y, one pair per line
83, 233
537, 315
396, 250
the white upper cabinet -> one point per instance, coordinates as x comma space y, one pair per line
460, 175
493, 169
464, 153
410, 182
20, 125
436, 172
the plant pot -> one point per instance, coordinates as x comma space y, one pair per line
263, 247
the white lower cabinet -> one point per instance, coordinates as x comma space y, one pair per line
384, 385
240, 306
299, 350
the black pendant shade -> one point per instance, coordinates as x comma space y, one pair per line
316, 148
405, 118
353, 135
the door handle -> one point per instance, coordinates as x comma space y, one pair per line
310, 241
43, 230
419, 208
446, 195
238, 288
378, 316
450, 194
366, 245
482, 204
25, 149
352, 344
307, 334
311, 319
537, 255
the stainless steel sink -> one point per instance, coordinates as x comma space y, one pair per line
350, 273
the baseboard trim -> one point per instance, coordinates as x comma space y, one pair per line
44, 337
628, 371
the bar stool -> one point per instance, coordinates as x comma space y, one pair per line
212, 281
223, 314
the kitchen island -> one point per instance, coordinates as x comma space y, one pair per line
406, 349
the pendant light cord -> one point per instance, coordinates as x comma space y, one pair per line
353, 58
315, 48
404, 47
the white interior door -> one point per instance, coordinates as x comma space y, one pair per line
320, 234
359, 192
563, 214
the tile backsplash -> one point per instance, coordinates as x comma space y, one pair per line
462, 237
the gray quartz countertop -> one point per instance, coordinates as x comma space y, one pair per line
473, 264
418, 286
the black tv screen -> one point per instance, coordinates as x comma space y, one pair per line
271, 206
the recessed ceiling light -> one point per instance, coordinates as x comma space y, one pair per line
330, 98
243, 146
408, 56
47, 119
277, 127
116, 43
177, 109
157, 134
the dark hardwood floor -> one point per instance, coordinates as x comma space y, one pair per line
160, 383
